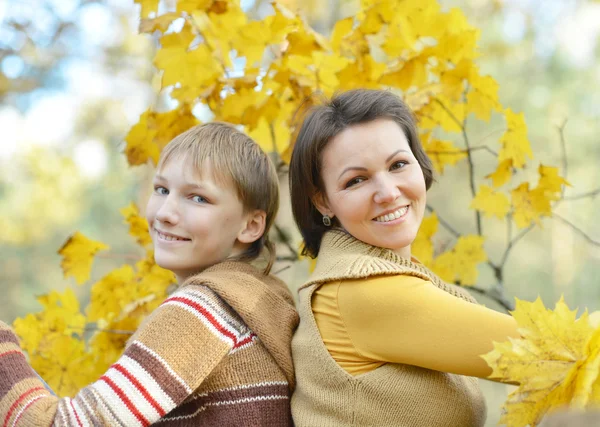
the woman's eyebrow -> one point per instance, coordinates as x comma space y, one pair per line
396, 152
358, 168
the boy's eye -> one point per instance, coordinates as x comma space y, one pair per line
398, 165
354, 181
161, 190
199, 199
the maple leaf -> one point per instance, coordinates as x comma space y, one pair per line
551, 182
490, 202
160, 23
148, 137
515, 145
148, 7
78, 255
441, 153
422, 246
482, 99
138, 225
502, 174
413, 72
529, 205
555, 362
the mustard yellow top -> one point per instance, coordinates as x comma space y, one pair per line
365, 323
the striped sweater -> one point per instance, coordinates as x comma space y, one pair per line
216, 352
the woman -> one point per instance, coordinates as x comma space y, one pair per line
217, 351
382, 340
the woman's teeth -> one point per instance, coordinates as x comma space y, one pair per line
390, 217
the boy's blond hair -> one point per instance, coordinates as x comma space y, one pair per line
235, 160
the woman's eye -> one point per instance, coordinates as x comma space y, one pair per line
199, 199
398, 165
161, 190
354, 181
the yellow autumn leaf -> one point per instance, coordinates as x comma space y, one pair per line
340, 30
502, 174
529, 205
148, 7
191, 5
410, 73
147, 138
469, 253
551, 182
444, 113
482, 99
160, 23
110, 294
441, 153
555, 363
453, 80
515, 145
490, 202
138, 225
78, 255
422, 246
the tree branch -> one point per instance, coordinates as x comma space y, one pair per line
513, 242
444, 223
563, 145
285, 239
590, 194
496, 293
577, 229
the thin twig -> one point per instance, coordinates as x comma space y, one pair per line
591, 194
563, 145
283, 237
496, 293
577, 229
442, 221
481, 147
513, 242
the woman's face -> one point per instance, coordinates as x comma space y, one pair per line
194, 220
374, 185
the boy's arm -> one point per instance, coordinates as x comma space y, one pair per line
175, 350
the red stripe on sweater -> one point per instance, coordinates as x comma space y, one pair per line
25, 408
140, 387
75, 412
245, 341
207, 315
18, 401
126, 400
6, 353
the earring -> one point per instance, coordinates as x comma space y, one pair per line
326, 221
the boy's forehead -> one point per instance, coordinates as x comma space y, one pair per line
195, 172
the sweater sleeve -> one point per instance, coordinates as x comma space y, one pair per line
405, 319
170, 355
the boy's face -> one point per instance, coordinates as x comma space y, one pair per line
194, 221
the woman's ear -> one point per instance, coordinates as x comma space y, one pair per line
254, 227
322, 204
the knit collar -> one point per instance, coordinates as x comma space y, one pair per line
262, 301
342, 256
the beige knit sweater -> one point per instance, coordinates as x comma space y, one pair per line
392, 395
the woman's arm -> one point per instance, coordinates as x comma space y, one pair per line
172, 353
405, 319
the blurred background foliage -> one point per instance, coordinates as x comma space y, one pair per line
75, 75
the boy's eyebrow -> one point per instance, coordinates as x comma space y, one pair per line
186, 184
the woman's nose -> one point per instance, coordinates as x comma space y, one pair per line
387, 191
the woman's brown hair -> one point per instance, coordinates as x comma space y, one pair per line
322, 124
